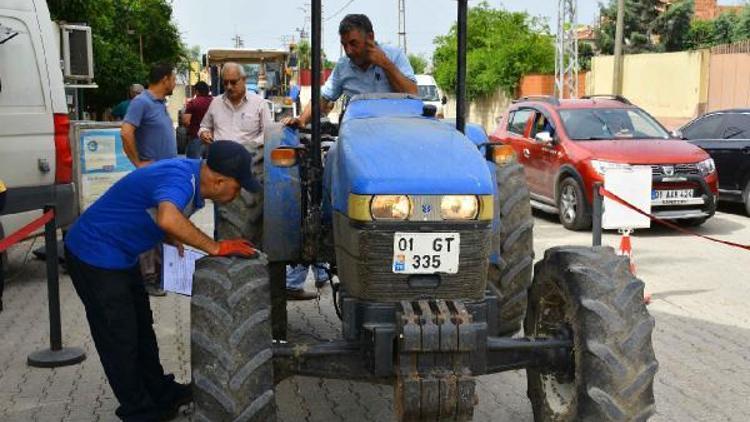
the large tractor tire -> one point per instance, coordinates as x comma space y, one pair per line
588, 295
243, 217
510, 278
231, 345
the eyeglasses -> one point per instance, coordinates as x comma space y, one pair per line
231, 81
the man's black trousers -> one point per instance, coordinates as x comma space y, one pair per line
121, 323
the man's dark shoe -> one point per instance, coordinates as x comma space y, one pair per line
154, 290
182, 395
300, 294
319, 284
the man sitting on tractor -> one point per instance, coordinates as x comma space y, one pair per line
368, 67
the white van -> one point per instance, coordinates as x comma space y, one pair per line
430, 93
35, 155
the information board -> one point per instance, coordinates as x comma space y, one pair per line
102, 162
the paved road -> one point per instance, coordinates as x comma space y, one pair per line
700, 293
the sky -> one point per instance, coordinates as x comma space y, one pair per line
265, 24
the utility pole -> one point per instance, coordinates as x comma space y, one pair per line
618, 59
566, 51
238, 42
402, 25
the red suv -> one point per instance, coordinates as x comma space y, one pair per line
566, 146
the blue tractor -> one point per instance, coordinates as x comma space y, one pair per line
428, 228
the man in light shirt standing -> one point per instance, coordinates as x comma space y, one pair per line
241, 116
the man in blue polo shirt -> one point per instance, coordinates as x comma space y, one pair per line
150, 205
367, 68
148, 136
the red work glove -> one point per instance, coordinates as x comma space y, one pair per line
235, 247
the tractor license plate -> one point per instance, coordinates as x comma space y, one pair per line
671, 197
426, 253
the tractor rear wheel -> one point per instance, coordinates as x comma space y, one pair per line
510, 278
231, 345
588, 295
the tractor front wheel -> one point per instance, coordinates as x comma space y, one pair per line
588, 295
231, 346
510, 277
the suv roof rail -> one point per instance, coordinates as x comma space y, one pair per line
543, 98
615, 97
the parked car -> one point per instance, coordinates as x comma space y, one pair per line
566, 146
430, 93
35, 155
725, 135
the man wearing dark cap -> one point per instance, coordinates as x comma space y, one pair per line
150, 205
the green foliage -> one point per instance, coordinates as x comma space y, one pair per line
742, 25
638, 26
418, 63
700, 35
724, 28
119, 27
502, 46
585, 53
673, 26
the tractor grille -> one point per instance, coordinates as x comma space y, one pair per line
365, 264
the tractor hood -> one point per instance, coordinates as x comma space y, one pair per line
419, 156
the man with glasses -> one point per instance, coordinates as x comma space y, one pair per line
241, 116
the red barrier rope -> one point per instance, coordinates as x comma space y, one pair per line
25, 231
625, 203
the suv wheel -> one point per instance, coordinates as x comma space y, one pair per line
571, 204
746, 197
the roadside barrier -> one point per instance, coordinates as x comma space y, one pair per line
56, 355
612, 196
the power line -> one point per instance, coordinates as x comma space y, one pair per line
339, 11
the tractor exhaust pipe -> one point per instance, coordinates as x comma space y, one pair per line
461, 72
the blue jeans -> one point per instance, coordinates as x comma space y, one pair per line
195, 148
297, 274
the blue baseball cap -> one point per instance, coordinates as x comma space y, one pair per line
232, 160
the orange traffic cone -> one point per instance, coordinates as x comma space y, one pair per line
626, 249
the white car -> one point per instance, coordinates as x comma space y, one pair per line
428, 90
36, 162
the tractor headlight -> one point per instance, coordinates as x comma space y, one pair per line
390, 207
707, 166
459, 207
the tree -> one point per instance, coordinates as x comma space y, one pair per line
742, 24
673, 26
585, 53
700, 35
128, 37
502, 46
639, 19
724, 28
418, 63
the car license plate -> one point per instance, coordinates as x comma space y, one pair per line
426, 253
671, 197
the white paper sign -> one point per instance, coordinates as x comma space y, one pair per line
178, 270
634, 186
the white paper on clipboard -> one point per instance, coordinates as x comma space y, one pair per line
634, 186
178, 270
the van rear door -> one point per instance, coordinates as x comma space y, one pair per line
27, 149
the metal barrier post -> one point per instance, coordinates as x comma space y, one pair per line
56, 355
596, 218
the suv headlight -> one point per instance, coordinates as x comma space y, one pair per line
707, 166
459, 207
390, 207
601, 167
